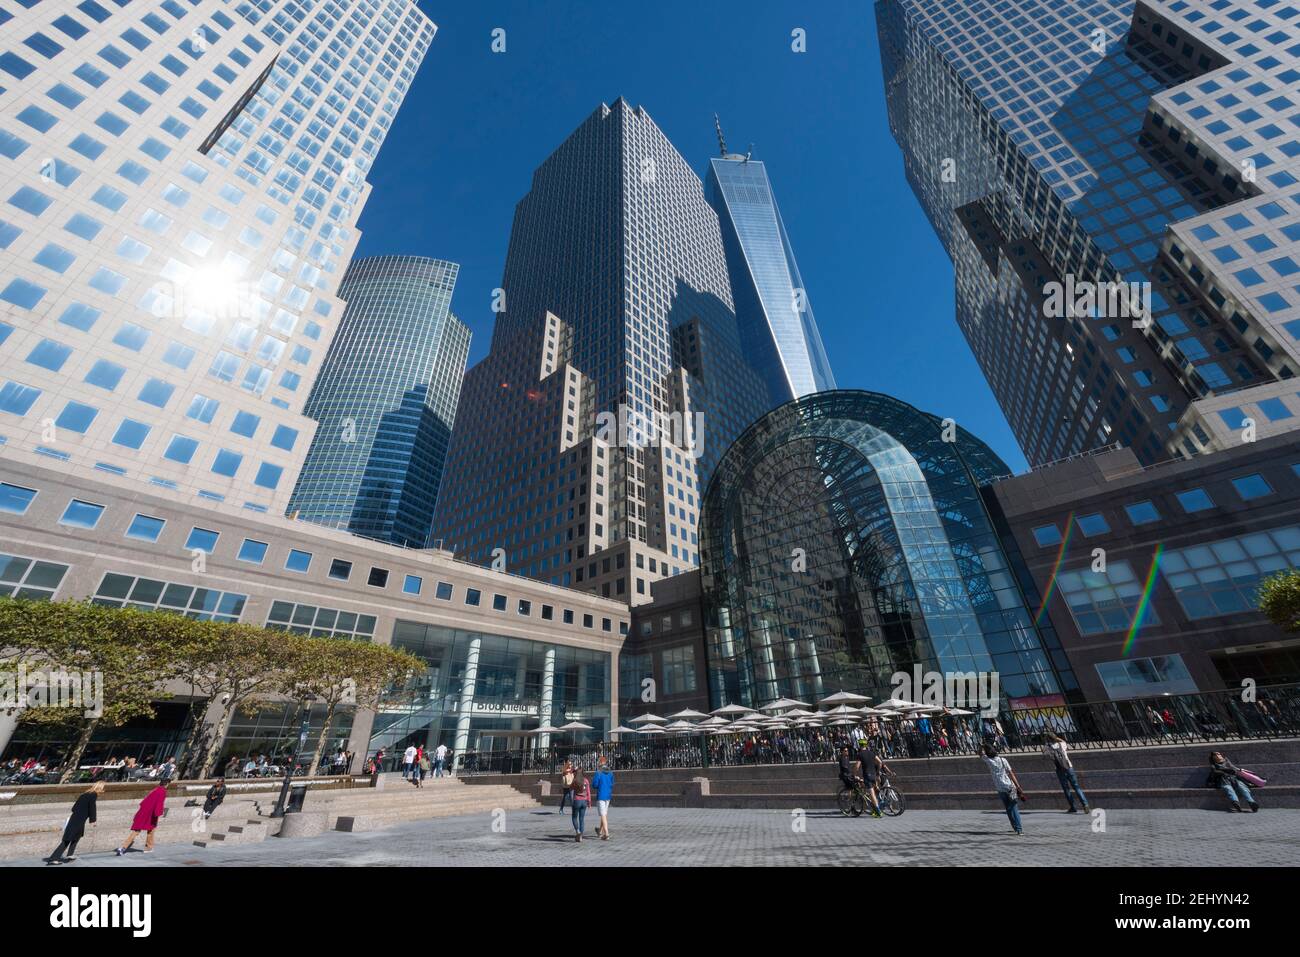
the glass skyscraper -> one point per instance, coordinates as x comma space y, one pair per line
182, 186
773, 312
616, 376
385, 401
1078, 145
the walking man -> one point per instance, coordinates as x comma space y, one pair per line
1055, 748
408, 761
602, 783
439, 760
1008, 786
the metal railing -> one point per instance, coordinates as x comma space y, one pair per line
1202, 718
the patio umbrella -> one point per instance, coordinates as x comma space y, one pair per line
844, 711
798, 713
732, 709
574, 726
960, 712
679, 726
782, 704
545, 729
844, 697
647, 719
622, 730
690, 714
714, 722
895, 703
650, 729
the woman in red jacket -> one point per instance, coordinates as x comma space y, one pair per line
146, 819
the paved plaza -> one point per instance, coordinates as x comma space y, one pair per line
650, 837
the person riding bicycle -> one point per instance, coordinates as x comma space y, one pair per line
873, 770
848, 769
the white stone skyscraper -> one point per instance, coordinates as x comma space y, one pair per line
181, 186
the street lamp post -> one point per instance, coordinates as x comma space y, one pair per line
304, 707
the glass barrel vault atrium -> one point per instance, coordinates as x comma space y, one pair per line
385, 402
843, 541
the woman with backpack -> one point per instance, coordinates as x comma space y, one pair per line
1228, 777
581, 801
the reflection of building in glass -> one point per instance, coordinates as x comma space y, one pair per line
481, 691
776, 321
385, 401
844, 540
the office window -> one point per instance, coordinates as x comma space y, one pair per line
76, 417
378, 577
1194, 500
588, 621
1094, 524
1105, 601
252, 551
297, 561
1046, 535
340, 570
105, 374
205, 604
131, 434
145, 528
1142, 513
81, 514
1222, 577
411, 585
320, 622
202, 539
1251, 486
568, 616
28, 578
16, 398
525, 607
443, 591
472, 596
1146, 677
678, 668
548, 613
181, 449
498, 602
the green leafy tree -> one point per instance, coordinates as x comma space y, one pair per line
120, 658
1279, 599
340, 674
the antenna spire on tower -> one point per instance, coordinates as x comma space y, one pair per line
722, 143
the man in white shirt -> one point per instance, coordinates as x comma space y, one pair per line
1004, 779
408, 760
439, 759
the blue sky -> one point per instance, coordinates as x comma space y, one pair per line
476, 123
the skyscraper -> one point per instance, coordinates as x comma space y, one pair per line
776, 321
385, 401
182, 185
1078, 158
615, 377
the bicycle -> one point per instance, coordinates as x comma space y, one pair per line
852, 802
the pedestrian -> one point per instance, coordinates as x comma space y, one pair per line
603, 783
439, 760
425, 767
1227, 777
874, 769
581, 801
216, 794
566, 783
74, 829
147, 817
1008, 786
1055, 748
408, 761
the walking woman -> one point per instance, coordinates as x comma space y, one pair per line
566, 783
581, 800
1224, 775
83, 810
146, 819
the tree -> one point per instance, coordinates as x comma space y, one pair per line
239, 665
340, 673
99, 666
1279, 599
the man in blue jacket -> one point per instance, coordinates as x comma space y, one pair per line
602, 786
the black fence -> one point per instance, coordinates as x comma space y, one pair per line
1272, 712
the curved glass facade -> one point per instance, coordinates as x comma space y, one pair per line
844, 539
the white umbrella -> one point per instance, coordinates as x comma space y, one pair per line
844, 711
647, 719
782, 704
679, 726
622, 730
962, 712
732, 709
844, 697
898, 703
798, 713
690, 714
545, 729
650, 729
713, 723
575, 726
